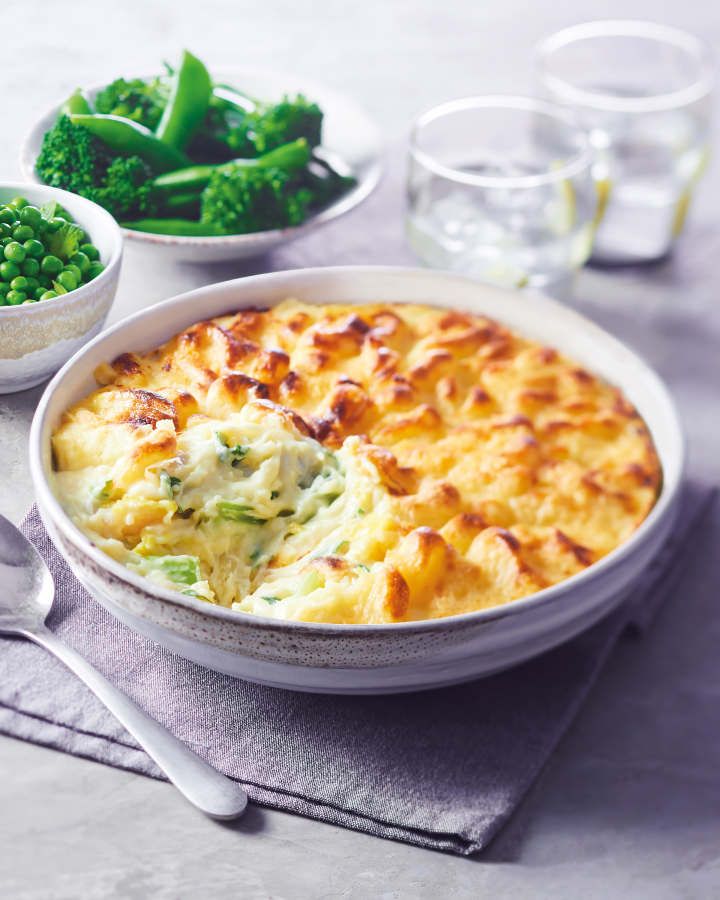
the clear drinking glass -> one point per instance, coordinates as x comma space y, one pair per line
642, 92
500, 188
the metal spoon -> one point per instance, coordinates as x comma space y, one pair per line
26, 595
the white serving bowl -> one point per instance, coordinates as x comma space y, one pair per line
365, 658
347, 131
37, 338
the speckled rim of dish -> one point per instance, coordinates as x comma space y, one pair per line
67, 199
343, 205
644, 533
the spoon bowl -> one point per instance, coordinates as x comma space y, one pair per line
28, 587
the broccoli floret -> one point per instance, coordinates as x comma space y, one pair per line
232, 130
271, 126
242, 199
125, 188
141, 101
73, 159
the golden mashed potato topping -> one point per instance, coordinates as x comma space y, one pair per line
354, 464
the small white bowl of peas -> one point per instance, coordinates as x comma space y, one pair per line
60, 258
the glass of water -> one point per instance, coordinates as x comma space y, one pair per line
500, 188
642, 92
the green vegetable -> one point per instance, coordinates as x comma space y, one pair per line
240, 199
272, 600
250, 129
141, 101
31, 216
183, 227
14, 252
51, 265
64, 242
33, 249
169, 483
291, 156
256, 166
189, 98
125, 187
256, 556
180, 569
129, 138
236, 512
226, 453
95, 269
9, 270
74, 159
180, 205
76, 103
23, 233
103, 492
29, 269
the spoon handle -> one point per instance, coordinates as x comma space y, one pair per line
213, 793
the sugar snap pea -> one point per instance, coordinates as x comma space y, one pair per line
77, 103
179, 227
130, 138
189, 98
294, 155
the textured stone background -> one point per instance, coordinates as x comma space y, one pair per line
630, 803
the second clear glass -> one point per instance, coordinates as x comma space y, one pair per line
642, 92
500, 188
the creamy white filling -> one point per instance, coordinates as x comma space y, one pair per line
235, 495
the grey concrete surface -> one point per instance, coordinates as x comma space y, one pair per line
630, 803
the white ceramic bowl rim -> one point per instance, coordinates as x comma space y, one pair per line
68, 199
546, 596
348, 201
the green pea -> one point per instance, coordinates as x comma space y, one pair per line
34, 248
4, 288
14, 252
18, 202
51, 266
38, 293
56, 223
48, 295
33, 283
74, 270
30, 266
5, 229
31, 216
15, 298
82, 261
9, 270
67, 280
91, 251
23, 233
7, 215
19, 284
95, 269
45, 281
58, 288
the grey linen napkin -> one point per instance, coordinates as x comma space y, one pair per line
442, 769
